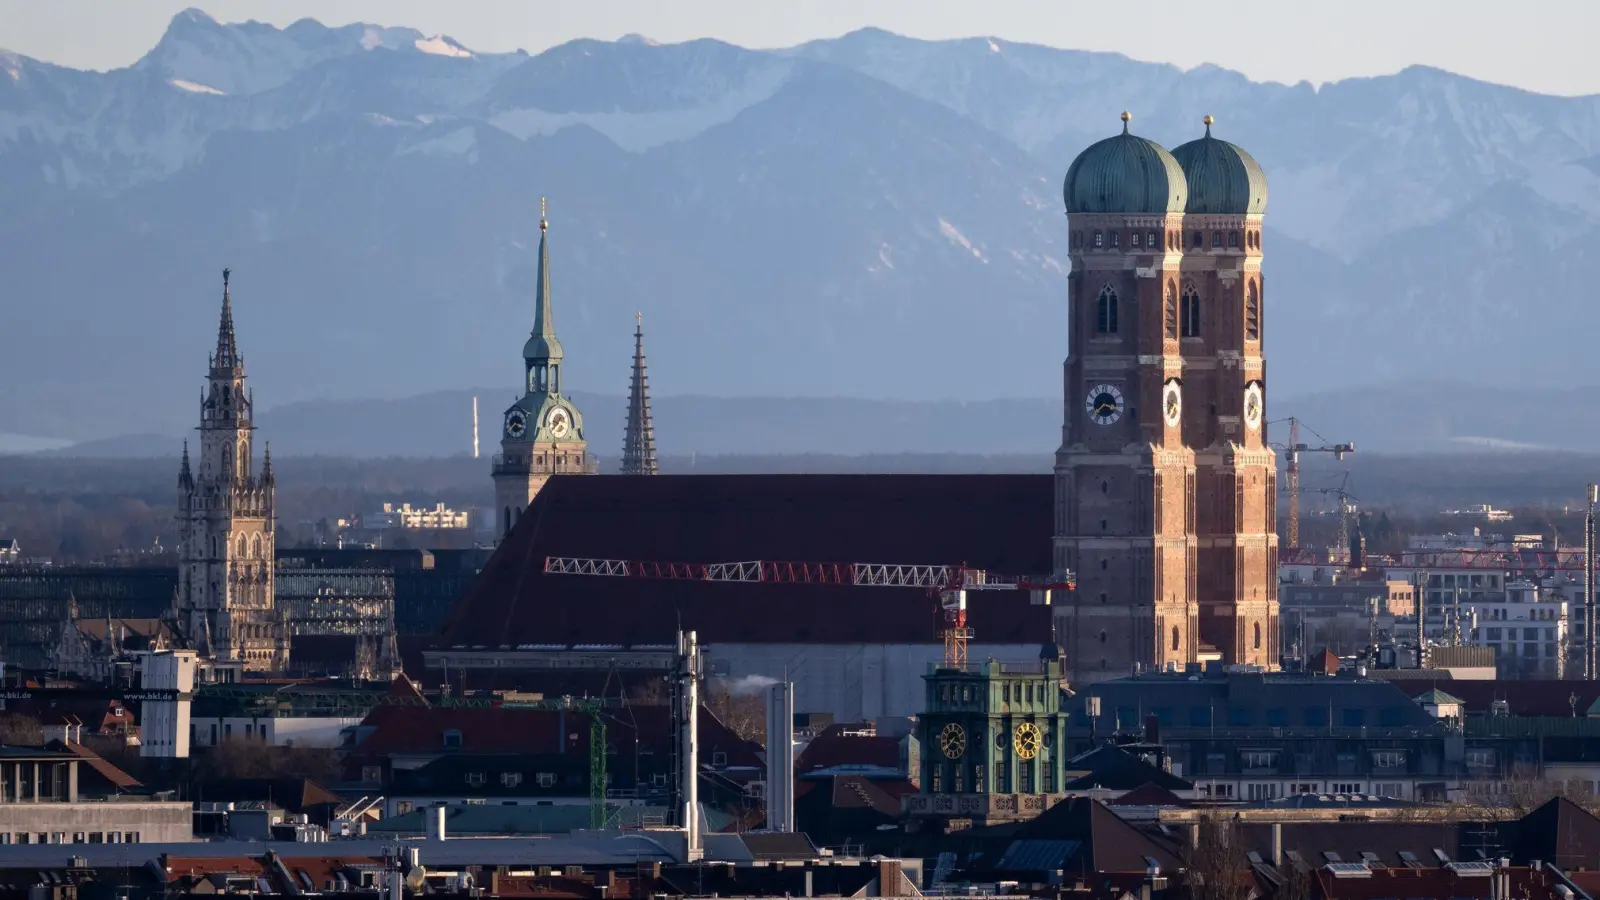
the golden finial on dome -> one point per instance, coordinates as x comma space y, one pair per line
1126, 118
1208, 120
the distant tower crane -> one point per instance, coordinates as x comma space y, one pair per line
1294, 448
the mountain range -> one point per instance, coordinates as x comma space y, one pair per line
870, 216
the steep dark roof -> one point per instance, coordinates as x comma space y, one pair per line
1560, 832
1108, 843
834, 748
1116, 769
997, 522
1149, 795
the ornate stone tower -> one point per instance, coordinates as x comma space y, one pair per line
226, 520
1124, 475
1221, 296
543, 433
639, 435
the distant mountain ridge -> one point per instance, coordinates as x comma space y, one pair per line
865, 216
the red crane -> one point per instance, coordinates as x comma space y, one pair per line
950, 583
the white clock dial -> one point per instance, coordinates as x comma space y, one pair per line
558, 422
1254, 405
1172, 404
1104, 404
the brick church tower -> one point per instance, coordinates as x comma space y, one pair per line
1164, 483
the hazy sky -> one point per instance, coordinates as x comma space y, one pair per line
1542, 45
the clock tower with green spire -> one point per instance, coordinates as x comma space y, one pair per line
542, 433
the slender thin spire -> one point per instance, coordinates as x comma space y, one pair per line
639, 436
227, 347
542, 345
266, 464
544, 322
185, 474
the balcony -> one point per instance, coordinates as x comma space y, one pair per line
545, 464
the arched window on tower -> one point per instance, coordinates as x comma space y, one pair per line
1258, 635
1252, 313
1174, 637
1169, 312
1106, 311
1189, 312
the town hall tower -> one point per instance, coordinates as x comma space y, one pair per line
226, 520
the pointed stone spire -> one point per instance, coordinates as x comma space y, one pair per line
227, 347
639, 437
542, 344
185, 474
267, 478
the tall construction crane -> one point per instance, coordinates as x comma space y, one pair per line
1294, 448
948, 583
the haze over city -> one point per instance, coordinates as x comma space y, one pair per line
637, 451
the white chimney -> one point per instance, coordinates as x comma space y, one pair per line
689, 749
436, 823
780, 757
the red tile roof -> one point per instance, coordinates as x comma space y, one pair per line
118, 778
1001, 523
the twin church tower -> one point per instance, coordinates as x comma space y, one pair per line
1165, 483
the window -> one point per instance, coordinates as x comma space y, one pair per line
937, 785
1347, 787
401, 807
1258, 759
1150, 239
1005, 693
1216, 240
1197, 241
1189, 312
1134, 240
1174, 637
719, 760
1388, 759
511, 779
372, 774
475, 779
452, 739
1099, 240
1233, 239
1258, 635
1170, 312
547, 779
1263, 791
1106, 311
1116, 240
1252, 313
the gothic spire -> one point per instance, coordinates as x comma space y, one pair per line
266, 465
542, 344
185, 475
639, 436
227, 347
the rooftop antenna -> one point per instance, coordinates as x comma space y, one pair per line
474, 426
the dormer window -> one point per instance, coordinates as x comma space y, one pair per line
452, 739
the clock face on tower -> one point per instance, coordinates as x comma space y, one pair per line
953, 741
516, 423
1026, 741
558, 422
1172, 403
1253, 405
1104, 404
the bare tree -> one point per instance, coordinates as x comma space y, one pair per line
245, 758
1297, 884
1216, 865
745, 714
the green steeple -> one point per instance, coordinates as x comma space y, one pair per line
542, 345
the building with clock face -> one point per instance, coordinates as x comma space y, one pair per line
1165, 483
992, 742
542, 433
